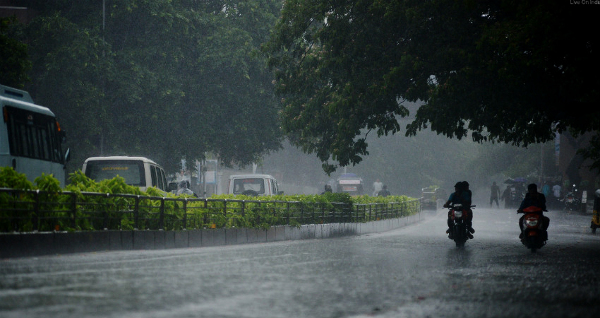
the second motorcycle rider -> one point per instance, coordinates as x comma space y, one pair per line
534, 198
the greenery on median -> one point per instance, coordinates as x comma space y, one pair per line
87, 205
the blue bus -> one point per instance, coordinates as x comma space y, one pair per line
30, 137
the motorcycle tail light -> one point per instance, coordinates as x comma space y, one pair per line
531, 222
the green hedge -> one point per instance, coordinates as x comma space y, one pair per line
86, 205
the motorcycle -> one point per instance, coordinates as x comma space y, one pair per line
596, 212
459, 231
571, 201
533, 235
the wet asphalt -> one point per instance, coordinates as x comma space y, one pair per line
409, 272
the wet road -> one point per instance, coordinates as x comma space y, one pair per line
410, 272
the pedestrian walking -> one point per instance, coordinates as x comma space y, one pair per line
377, 186
494, 195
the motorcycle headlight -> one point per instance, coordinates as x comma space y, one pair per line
458, 214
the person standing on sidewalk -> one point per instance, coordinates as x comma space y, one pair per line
377, 186
494, 195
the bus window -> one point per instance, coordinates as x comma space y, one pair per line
131, 171
162, 180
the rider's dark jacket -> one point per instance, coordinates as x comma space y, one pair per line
464, 198
534, 199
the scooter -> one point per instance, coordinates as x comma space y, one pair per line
459, 231
533, 236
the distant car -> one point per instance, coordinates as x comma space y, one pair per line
137, 171
428, 199
350, 183
253, 185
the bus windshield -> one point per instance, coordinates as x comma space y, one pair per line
131, 170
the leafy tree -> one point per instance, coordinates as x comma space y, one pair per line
504, 71
68, 68
161, 79
13, 55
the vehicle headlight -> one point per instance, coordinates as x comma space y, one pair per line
458, 214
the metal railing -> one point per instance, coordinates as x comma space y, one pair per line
31, 211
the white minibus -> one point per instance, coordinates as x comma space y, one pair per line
137, 171
253, 185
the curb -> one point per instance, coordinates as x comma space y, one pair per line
50, 243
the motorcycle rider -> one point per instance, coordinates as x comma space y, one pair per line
461, 195
184, 189
534, 198
468, 195
596, 212
384, 192
328, 189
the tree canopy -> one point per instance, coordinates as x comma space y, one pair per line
503, 71
13, 56
162, 79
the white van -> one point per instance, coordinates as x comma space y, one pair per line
253, 184
137, 171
